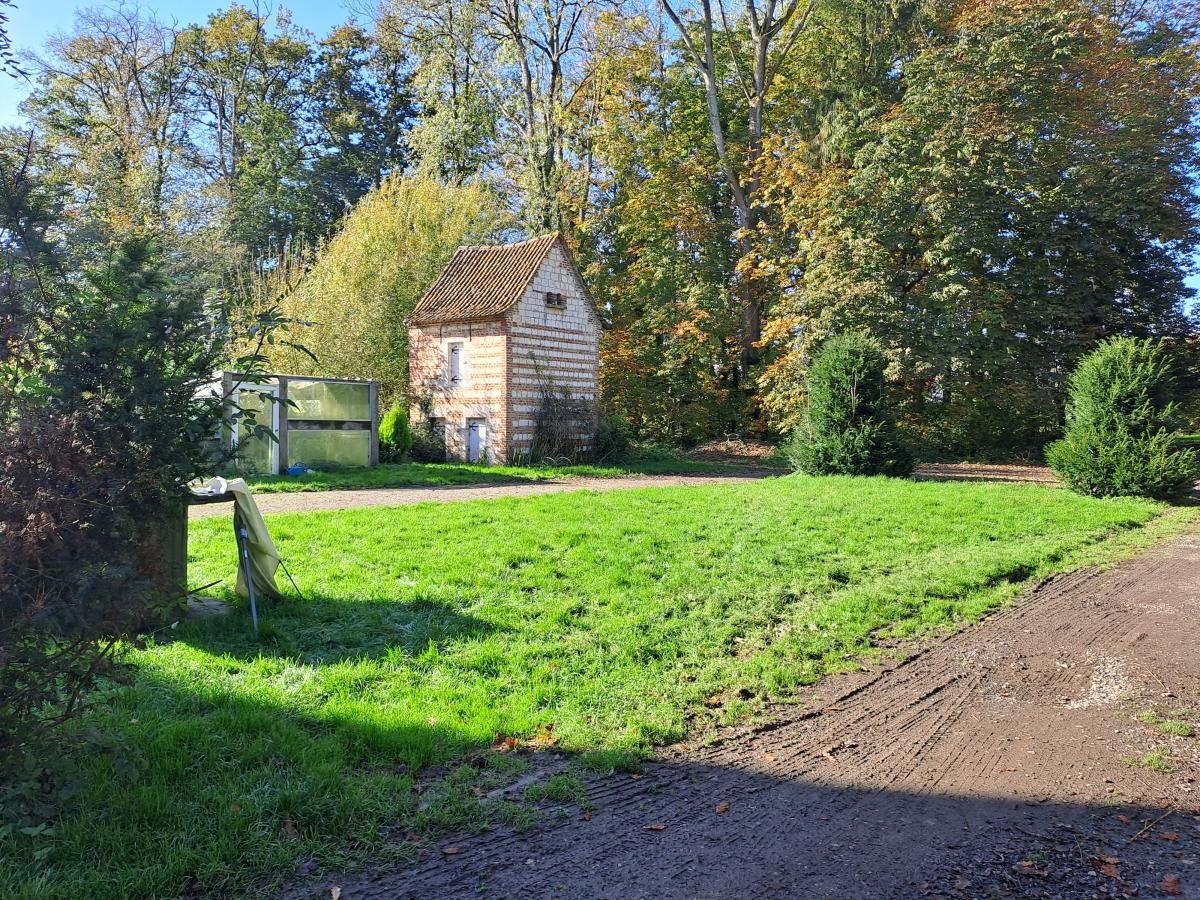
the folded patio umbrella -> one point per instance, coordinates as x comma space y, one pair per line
264, 558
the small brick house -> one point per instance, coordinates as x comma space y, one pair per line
500, 327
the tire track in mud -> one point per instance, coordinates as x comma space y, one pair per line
893, 782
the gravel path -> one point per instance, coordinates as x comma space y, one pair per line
998, 762
307, 501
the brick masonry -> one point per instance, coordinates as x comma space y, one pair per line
508, 361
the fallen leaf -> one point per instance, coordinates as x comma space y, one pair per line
450, 851
1108, 866
722, 808
1169, 836
823, 818
235, 808
1008, 770
654, 826
544, 736
289, 829
335, 893
1125, 820
1170, 886
432, 721
1029, 867
504, 742
713, 701
587, 816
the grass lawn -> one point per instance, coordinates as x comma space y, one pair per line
366, 712
411, 474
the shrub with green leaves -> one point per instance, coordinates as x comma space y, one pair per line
395, 438
846, 430
1120, 438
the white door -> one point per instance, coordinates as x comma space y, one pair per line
476, 440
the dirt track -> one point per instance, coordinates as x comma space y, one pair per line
307, 501
995, 763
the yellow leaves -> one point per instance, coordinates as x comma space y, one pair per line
369, 276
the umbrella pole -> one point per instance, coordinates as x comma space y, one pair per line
244, 554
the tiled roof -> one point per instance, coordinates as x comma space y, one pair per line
483, 282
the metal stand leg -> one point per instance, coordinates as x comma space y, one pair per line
244, 555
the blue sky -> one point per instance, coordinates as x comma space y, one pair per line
34, 20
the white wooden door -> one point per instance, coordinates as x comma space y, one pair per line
476, 440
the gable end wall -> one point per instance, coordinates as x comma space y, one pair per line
559, 346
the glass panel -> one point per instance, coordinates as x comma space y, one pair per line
325, 447
328, 401
255, 452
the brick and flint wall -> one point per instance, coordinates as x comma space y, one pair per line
559, 348
479, 394
509, 362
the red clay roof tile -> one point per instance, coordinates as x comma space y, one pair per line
483, 282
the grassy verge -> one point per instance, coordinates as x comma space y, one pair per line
363, 719
640, 462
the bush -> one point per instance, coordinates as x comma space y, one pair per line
845, 429
395, 438
613, 439
1120, 438
369, 276
426, 446
106, 412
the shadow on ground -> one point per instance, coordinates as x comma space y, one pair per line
322, 631
697, 831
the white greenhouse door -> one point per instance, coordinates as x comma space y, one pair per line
476, 440
257, 453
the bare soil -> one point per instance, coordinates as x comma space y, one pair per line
736, 451
1010, 472
1000, 761
307, 501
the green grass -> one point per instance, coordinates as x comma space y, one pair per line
410, 474
1172, 723
361, 722
1157, 760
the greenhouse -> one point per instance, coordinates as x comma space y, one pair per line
318, 423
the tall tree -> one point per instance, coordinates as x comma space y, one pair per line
249, 86
455, 131
544, 37
1029, 194
363, 107
757, 37
110, 102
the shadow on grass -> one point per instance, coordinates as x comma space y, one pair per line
320, 630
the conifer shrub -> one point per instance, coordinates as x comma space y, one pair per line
395, 438
846, 429
1121, 435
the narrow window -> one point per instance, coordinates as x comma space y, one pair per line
555, 301
456, 351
